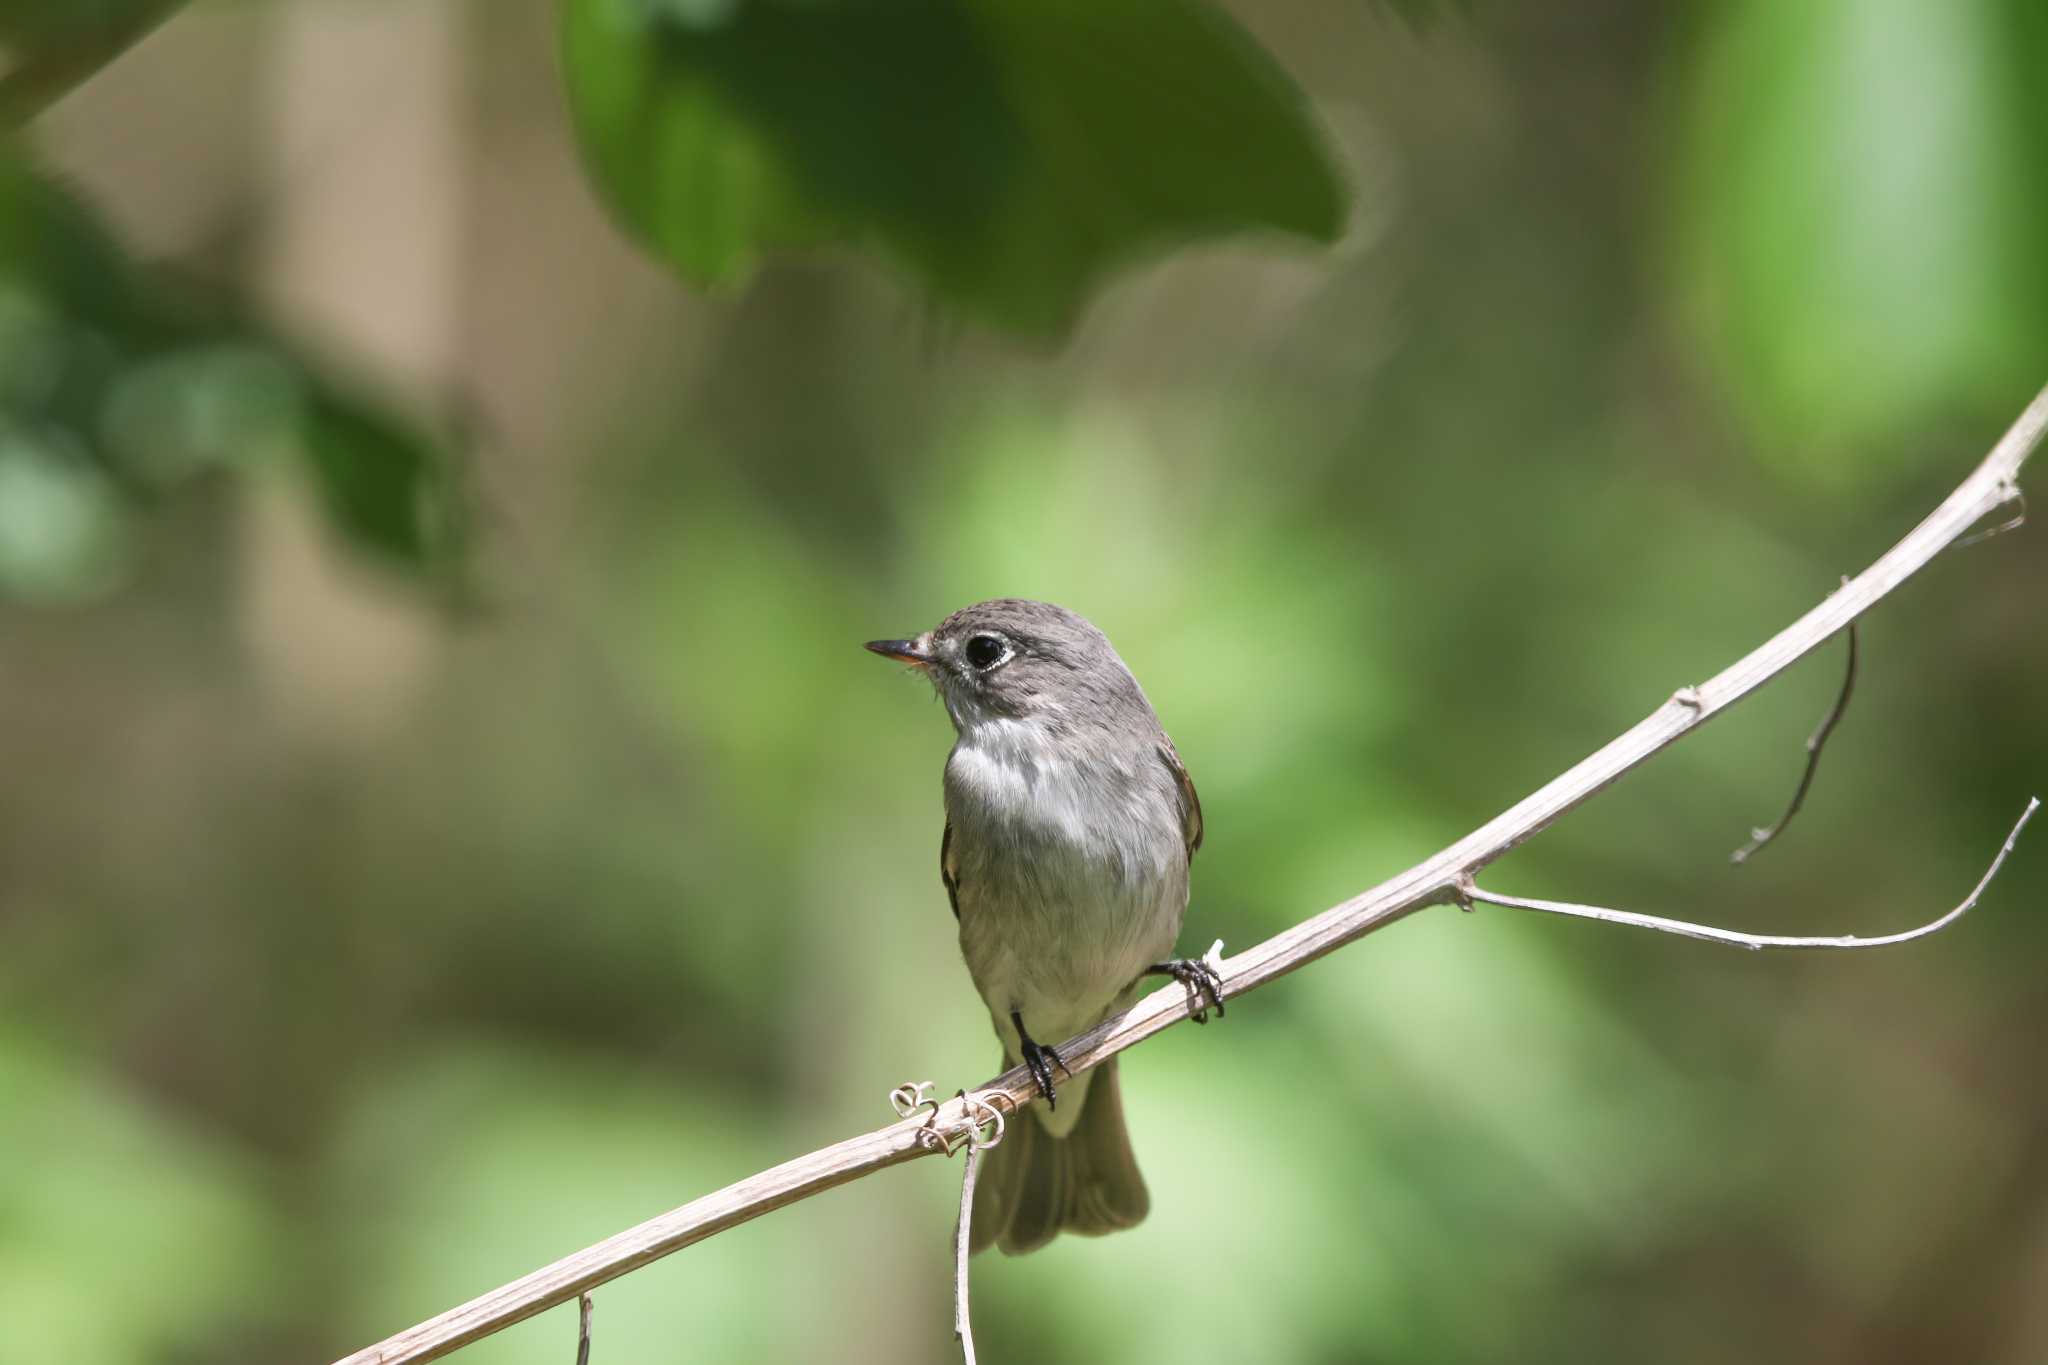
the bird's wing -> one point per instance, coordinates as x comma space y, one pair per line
1190, 804
949, 871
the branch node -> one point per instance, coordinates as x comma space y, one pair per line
1689, 697
2008, 489
982, 1113
978, 1111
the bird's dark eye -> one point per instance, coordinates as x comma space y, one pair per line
985, 651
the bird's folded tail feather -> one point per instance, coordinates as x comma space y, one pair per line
1035, 1185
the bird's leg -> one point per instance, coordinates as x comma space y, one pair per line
1041, 1060
1200, 978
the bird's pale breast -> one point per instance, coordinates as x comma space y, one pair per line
1072, 876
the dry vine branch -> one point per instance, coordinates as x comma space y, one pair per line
1434, 881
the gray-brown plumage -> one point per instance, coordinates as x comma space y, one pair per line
1070, 825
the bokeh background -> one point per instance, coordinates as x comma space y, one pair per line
446, 816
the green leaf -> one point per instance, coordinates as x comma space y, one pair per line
1008, 153
385, 486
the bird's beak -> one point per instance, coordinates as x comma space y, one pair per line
904, 651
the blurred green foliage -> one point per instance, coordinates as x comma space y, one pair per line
119, 1193
354, 959
1862, 212
121, 386
1009, 152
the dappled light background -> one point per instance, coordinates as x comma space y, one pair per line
377, 924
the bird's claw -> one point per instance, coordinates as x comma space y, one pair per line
1201, 978
1040, 1060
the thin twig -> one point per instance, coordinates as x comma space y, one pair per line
980, 1113
963, 1324
1814, 743
1431, 882
583, 1329
1469, 892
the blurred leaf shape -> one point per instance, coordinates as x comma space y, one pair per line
1007, 153
63, 533
123, 1236
385, 486
47, 48
1861, 216
120, 385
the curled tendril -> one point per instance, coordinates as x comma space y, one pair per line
911, 1096
981, 1114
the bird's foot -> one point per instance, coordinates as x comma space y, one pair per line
1040, 1059
1201, 978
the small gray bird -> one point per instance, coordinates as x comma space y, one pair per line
1070, 825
